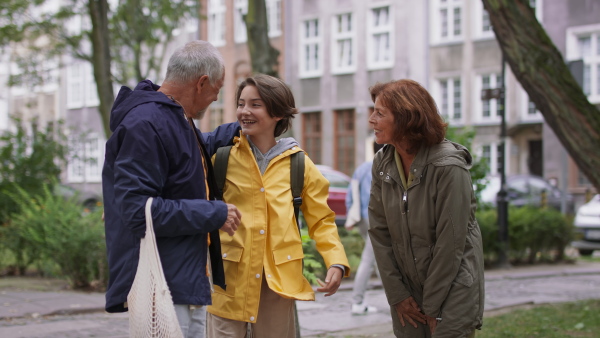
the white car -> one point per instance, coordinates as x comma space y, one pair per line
587, 227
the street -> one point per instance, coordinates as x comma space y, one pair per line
330, 316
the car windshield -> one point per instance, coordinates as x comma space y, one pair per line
336, 180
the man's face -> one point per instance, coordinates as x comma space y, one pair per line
208, 94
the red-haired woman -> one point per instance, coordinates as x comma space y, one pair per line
426, 240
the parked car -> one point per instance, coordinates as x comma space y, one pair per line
338, 186
526, 190
587, 227
89, 200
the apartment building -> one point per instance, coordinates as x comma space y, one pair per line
225, 28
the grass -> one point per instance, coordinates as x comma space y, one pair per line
575, 319
32, 284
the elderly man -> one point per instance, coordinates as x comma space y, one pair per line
156, 151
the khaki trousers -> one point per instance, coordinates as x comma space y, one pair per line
275, 320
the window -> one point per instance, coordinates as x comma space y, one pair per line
239, 26
75, 89
216, 117
216, 22
311, 124
380, 39
449, 99
310, 49
87, 158
491, 154
344, 141
447, 21
343, 51
583, 43
482, 25
536, 5
274, 17
531, 110
489, 108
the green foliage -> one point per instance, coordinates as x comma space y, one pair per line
313, 263
575, 319
52, 232
465, 136
28, 160
534, 234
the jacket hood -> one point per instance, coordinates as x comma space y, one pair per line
127, 99
449, 153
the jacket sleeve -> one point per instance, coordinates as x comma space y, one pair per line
320, 219
222, 136
389, 270
141, 166
452, 210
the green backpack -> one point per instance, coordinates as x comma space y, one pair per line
296, 175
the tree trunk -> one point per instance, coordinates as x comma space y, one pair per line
101, 61
541, 70
262, 55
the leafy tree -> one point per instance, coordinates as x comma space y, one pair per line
465, 136
263, 56
541, 70
29, 159
130, 40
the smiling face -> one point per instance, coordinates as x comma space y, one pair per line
253, 115
382, 121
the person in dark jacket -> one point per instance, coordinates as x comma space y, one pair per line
156, 151
426, 239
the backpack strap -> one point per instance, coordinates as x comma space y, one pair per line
220, 167
297, 181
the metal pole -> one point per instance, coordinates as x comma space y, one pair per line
501, 198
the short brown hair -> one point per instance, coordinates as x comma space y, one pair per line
277, 97
416, 118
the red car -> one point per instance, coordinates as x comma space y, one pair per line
338, 187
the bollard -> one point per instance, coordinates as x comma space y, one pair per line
544, 195
588, 195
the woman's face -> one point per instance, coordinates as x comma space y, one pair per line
382, 121
252, 114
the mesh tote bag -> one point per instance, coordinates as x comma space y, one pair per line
151, 310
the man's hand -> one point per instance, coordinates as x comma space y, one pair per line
233, 219
332, 281
409, 309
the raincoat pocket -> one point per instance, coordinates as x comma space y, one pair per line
231, 261
288, 262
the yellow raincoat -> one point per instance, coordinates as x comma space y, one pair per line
267, 240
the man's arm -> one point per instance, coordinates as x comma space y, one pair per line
222, 136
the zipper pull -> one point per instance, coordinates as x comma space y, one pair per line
405, 200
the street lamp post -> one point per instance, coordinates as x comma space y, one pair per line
501, 198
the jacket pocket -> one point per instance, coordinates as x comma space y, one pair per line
288, 262
231, 261
464, 276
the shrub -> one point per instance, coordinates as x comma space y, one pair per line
49, 230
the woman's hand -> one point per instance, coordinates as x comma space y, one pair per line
409, 310
432, 323
332, 281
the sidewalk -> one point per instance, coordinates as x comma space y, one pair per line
331, 316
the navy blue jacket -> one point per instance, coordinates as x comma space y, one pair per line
153, 152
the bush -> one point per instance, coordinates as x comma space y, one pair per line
534, 234
50, 231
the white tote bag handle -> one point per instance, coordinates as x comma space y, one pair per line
151, 310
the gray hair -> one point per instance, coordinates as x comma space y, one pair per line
193, 60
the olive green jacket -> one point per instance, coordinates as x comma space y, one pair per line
426, 240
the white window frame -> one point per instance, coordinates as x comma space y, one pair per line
274, 16
538, 9
479, 14
444, 93
239, 25
525, 116
591, 61
216, 22
75, 85
316, 41
494, 154
87, 159
347, 54
493, 103
373, 31
436, 23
